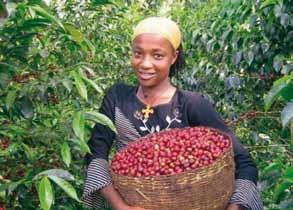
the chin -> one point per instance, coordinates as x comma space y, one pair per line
147, 83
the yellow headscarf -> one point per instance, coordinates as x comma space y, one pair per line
162, 26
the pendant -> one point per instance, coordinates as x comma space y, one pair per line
147, 111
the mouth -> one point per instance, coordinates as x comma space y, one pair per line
145, 75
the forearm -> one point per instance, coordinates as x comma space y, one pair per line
233, 206
113, 197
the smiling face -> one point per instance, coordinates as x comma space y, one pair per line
152, 57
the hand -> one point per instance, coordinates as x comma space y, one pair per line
131, 208
233, 206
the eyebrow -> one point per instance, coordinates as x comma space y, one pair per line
153, 49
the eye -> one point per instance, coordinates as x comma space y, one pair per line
136, 53
158, 56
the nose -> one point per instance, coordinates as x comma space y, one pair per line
146, 62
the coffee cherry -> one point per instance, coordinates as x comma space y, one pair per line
171, 152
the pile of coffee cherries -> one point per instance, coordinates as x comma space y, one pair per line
170, 152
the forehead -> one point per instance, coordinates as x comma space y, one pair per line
152, 41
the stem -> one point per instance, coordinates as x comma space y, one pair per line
291, 126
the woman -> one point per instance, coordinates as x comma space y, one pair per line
155, 104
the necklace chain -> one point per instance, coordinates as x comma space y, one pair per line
148, 109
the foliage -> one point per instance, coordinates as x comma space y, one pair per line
57, 60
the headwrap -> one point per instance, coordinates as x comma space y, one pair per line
162, 26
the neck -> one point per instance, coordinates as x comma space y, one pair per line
155, 90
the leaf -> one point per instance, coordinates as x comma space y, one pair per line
10, 98
157, 128
143, 128
250, 57
29, 152
287, 92
276, 90
81, 88
10, 186
74, 32
66, 186
65, 154
101, 2
267, 3
93, 84
7, 68
285, 20
271, 168
287, 114
42, 12
45, 193
280, 189
168, 119
84, 148
90, 46
78, 125
277, 64
36, 22
67, 84
237, 57
27, 107
56, 172
288, 175
100, 118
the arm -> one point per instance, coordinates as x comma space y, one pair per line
98, 181
246, 194
115, 199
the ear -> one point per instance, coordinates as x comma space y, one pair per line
175, 56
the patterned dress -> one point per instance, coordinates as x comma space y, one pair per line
185, 109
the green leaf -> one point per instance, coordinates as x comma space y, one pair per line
78, 125
37, 22
45, 193
280, 190
27, 109
10, 98
11, 186
66, 154
277, 89
81, 87
90, 46
67, 84
250, 56
272, 167
267, 3
7, 68
29, 152
74, 32
42, 12
287, 92
101, 2
93, 84
55, 172
288, 175
100, 118
66, 186
287, 114
82, 145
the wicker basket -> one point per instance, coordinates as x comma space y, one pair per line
207, 188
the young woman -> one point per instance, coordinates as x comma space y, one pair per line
154, 105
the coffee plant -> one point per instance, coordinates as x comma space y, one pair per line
57, 58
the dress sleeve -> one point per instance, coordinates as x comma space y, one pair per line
100, 143
202, 113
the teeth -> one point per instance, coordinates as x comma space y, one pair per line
146, 75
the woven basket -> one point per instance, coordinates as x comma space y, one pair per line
206, 188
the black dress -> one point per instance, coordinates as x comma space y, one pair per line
185, 109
